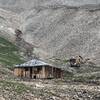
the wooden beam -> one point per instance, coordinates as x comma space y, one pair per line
43, 72
52, 71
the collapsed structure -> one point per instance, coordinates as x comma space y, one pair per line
37, 69
77, 61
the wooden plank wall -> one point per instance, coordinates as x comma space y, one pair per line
44, 72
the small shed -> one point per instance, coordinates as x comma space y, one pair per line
35, 69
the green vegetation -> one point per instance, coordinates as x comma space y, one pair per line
85, 78
12, 86
9, 53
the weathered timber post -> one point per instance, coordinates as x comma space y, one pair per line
43, 72
52, 72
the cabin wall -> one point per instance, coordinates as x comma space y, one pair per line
38, 72
43, 72
49, 72
26, 72
58, 73
18, 72
52, 72
46, 72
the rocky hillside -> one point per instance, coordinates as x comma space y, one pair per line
47, 90
59, 28
64, 31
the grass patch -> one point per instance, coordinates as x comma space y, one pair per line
19, 88
81, 78
86, 78
68, 75
9, 53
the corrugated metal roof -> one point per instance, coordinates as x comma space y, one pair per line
33, 63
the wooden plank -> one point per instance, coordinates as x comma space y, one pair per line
43, 72
52, 72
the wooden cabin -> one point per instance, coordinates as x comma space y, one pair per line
37, 69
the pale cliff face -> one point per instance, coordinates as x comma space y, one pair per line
57, 29
31, 3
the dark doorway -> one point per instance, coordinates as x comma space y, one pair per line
30, 72
34, 76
